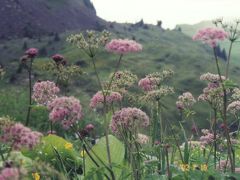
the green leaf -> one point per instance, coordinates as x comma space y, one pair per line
46, 151
117, 151
229, 84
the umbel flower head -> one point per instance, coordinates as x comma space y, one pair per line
44, 92
123, 46
123, 79
211, 77
185, 101
128, 119
210, 36
156, 95
236, 94
20, 136
90, 41
234, 107
65, 110
155, 80
111, 97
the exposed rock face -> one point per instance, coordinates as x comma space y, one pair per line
26, 18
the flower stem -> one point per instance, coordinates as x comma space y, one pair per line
229, 145
30, 92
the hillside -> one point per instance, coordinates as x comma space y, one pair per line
28, 18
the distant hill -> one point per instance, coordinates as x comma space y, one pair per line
27, 18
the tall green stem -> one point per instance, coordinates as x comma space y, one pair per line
228, 59
215, 137
30, 92
229, 145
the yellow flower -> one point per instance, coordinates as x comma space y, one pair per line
204, 167
68, 146
184, 167
36, 176
82, 153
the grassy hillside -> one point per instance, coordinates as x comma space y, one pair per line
161, 49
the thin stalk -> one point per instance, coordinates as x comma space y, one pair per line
229, 145
86, 144
228, 59
30, 92
215, 138
178, 146
168, 166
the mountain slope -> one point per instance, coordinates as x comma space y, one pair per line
21, 18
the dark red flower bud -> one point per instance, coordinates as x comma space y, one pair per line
58, 58
32, 52
89, 127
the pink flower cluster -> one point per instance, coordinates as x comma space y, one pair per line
98, 99
32, 52
142, 139
211, 77
65, 110
234, 107
212, 94
123, 46
185, 101
59, 59
44, 92
20, 136
147, 84
207, 138
128, 119
210, 36
10, 174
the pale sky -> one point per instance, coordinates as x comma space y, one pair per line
171, 12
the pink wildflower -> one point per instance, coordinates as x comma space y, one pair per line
10, 174
210, 36
20, 136
65, 110
44, 92
211, 77
185, 101
147, 84
32, 52
142, 139
234, 107
98, 99
128, 118
207, 138
123, 46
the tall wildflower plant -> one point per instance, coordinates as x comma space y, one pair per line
90, 43
27, 62
154, 92
233, 35
212, 36
125, 124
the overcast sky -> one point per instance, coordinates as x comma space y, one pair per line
171, 12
